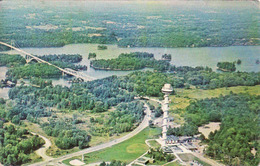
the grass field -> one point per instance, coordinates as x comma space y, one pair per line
154, 144
184, 96
126, 151
173, 164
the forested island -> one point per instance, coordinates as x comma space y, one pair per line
227, 66
71, 58
92, 55
131, 61
167, 57
102, 47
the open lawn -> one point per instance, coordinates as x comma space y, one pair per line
126, 151
184, 96
154, 144
202, 94
173, 164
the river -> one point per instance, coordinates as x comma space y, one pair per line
205, 56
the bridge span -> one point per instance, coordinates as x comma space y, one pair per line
68, 71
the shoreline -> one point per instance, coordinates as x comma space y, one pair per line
115, 44
108, 69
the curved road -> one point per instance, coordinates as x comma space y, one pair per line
42, 151
57, 161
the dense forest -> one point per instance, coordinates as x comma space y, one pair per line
113, 163
17, 144
135, 25
20, 70
125, 118
34, 70
65, 61
238, 134
96, 96
66, 133
159, 155
167, 57
131, 61
227, 66
92, 55
150, 83
10, 60
102, 47
72, 58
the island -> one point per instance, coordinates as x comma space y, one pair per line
92, 55
226, 66
167, 57
102, 47
130, 61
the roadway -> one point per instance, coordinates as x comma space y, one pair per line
58, 161
42, 151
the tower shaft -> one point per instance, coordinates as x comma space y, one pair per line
167, 89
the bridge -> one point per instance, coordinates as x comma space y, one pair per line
68, 71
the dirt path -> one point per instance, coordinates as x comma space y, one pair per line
42, 151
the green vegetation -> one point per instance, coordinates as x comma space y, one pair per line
188, 129
10, 60
92, 55
161, 25
123, 119
126, 151
159, 156
167, 57
239, 61
226, 66
8, 82
149, 83
113, 163
44, 70
16, 145
65, 61
40, 82
71, 58
34, 70
239, 126
96, 96
131, 61
154, 144
68, 136
173, 164
102, 47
